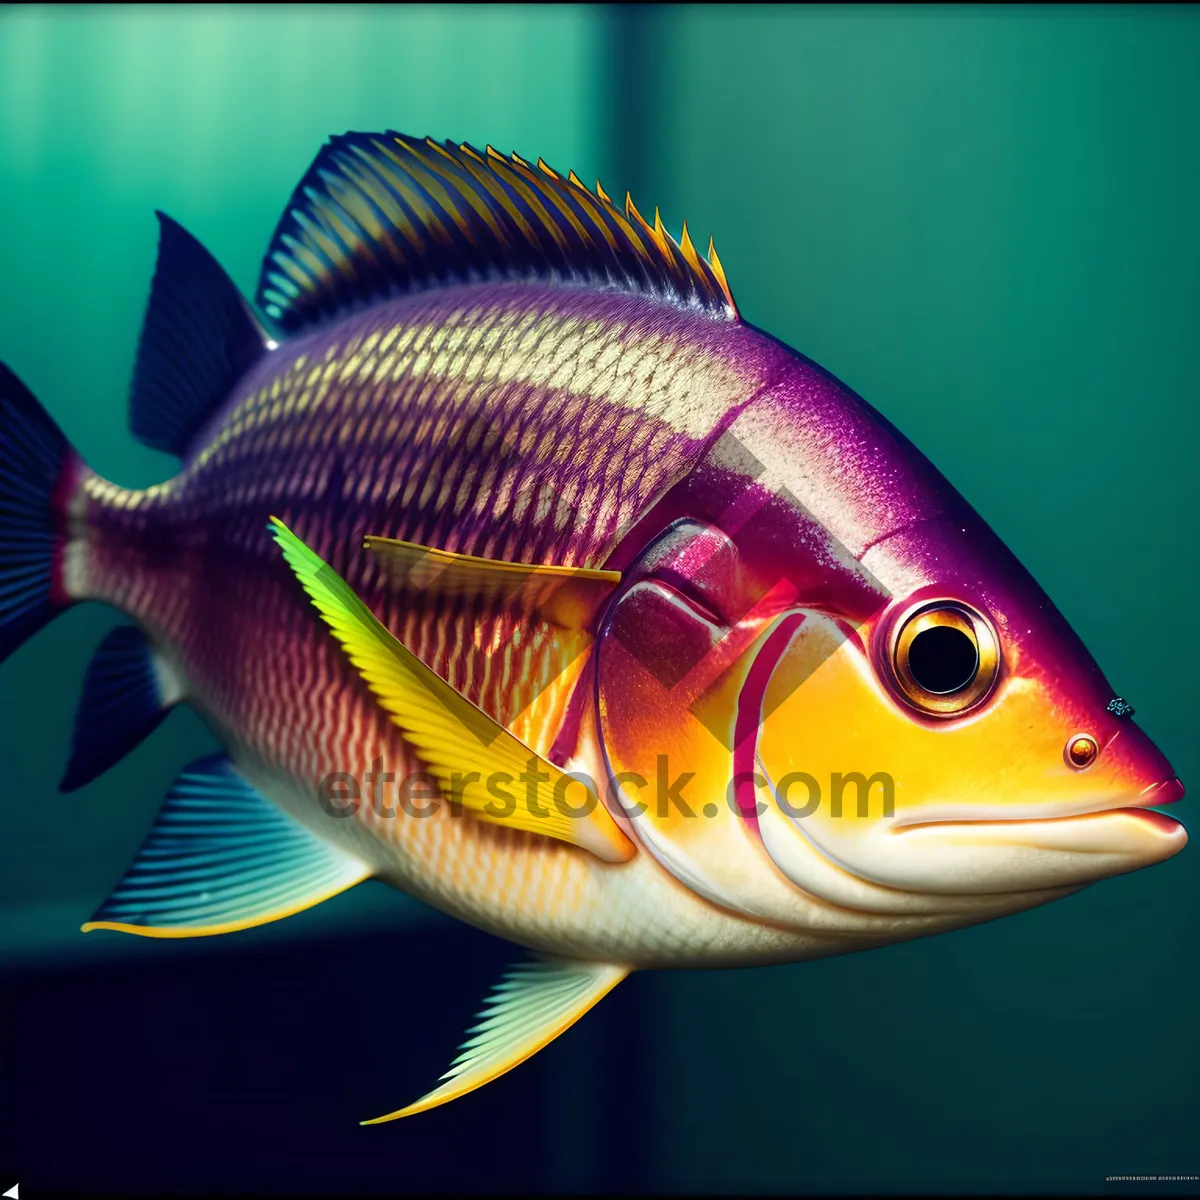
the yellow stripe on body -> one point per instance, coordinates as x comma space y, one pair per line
586, 362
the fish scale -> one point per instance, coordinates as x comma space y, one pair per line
258, 690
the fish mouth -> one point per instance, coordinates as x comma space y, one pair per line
1073, 848
1143, 805
962, 853
960, 816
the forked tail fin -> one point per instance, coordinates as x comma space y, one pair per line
39, 472
198, 338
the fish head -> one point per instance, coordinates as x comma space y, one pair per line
897, 706
963, 738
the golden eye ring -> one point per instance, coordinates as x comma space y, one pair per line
1081, 751
945, 658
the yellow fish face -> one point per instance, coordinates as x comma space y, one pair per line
1026, 789
909, 727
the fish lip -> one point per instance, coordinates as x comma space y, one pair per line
1144, 805
1160, 820
1151, 797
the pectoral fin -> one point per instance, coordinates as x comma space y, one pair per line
222, 857
566, 596
530, 1007
466, 750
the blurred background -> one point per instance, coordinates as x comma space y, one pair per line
981, 219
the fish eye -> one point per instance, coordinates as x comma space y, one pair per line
945, 658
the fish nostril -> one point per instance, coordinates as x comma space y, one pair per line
1158, 794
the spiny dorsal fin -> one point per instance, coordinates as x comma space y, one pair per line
381, 215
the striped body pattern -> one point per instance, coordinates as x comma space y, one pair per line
490, 422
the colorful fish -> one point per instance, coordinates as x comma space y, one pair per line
512, 568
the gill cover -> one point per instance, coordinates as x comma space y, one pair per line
684, 663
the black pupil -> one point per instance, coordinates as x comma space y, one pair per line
942, 659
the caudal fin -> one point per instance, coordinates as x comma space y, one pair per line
38, 470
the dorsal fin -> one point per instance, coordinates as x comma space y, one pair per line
381, 215
198, 338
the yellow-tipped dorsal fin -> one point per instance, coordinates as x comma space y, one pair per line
530, 1007
567, 596
475, 760
383, 214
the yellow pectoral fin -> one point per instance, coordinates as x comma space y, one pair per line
474, 758
530, 1007
566, 596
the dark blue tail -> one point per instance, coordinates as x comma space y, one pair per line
38, 471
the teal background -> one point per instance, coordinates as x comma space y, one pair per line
981, 219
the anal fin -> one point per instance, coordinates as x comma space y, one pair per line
124, 700
222, 857
530, 1007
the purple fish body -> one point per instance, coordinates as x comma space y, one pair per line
351, 430
490, 366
